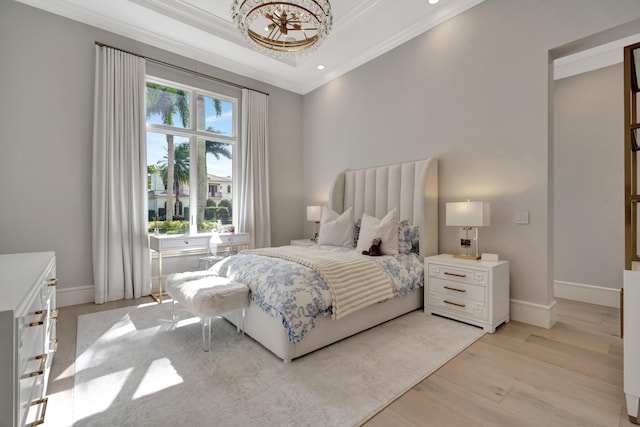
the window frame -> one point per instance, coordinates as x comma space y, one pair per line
193, 134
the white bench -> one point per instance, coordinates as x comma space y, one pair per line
207, 296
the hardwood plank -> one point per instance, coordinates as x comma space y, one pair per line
604, 359
560, 332
414, 410
581, 365
550, 413
439, 389
523, 372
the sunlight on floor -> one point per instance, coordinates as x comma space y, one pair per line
105, 390
160, 376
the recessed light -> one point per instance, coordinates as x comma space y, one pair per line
433, 1
320, 67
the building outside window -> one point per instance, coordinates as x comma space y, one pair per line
191, 136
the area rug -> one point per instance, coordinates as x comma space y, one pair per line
135, 368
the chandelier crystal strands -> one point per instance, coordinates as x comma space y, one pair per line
283, 29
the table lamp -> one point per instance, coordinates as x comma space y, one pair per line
314, 213
468, 215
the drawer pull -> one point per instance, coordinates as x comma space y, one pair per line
53, 282
455, 289
454, 274
42, 402
454, 303
43, 363
39, 322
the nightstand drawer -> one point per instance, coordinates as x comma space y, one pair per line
458, 274
469, 307
458, 289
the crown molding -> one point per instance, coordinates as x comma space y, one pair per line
592, 59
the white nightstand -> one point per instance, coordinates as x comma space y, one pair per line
303, 242
475, 292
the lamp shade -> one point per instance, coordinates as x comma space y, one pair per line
314, 213
468, 214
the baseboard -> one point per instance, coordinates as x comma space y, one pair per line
609, 297
543, 316
73, 296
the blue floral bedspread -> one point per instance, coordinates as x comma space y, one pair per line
298, 294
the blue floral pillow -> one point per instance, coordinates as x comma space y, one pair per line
404, 237
414, 237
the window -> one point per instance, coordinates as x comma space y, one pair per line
191, 135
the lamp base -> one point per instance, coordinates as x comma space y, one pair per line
471, 257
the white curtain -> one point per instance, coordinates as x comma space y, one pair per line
253, 204
119, 182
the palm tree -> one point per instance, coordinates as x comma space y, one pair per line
167, 102
180, 171
213, 147
151, 169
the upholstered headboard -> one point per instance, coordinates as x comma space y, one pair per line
411, 187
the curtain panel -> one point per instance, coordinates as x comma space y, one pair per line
253, 204
119, 178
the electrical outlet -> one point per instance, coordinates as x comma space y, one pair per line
521, 218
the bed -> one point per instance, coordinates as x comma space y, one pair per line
411, 189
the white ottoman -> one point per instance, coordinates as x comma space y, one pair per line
208, 296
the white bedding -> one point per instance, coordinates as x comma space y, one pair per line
298, 294
354, 280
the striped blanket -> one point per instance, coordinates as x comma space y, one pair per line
355, 282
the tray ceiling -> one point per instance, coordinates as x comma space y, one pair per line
202, 30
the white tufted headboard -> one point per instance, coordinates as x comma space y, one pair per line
411, 187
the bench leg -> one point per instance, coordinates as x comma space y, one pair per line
206, 334
174, 313
240, 321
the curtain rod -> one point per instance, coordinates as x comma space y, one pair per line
177, 67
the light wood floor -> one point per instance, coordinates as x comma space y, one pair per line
570, 375
521, 375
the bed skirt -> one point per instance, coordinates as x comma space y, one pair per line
269, 332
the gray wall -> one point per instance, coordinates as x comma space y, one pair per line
46, 115
589, 178
475, 93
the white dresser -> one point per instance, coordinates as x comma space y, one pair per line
27, 335
475, 292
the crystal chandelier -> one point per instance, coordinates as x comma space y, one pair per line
283, 29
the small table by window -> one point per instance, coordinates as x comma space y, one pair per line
216, 244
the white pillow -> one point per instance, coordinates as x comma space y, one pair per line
386, 229
336, 229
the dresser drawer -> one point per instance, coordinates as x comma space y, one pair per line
458, 289
457, 305
31, 338
458, 274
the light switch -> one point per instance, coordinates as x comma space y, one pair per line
521, 218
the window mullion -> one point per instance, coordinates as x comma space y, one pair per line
193, 185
